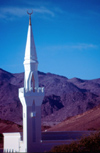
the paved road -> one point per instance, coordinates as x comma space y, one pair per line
65, 135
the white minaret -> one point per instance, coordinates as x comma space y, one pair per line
31, 96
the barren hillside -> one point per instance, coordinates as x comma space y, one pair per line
89, 120
64, 97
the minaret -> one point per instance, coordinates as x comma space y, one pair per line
30, 60
31, 96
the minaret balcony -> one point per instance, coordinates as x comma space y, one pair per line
27, 97
24, 92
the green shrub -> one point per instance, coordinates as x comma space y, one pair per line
90, 144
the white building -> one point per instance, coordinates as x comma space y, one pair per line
31, 97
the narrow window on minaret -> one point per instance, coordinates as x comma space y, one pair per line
33, 83
33, 123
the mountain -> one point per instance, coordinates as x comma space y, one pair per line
63, 97
89, 120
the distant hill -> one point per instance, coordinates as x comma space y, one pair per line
89, 120
9, 126
64, 97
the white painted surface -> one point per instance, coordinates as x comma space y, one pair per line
12, 142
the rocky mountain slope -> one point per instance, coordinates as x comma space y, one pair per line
89, 120
63, 97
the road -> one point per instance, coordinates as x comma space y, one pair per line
65, 135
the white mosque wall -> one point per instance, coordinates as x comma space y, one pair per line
12, 142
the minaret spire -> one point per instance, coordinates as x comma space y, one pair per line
30, 60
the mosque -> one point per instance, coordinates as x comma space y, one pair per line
31, 97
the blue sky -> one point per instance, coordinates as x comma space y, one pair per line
66, 34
